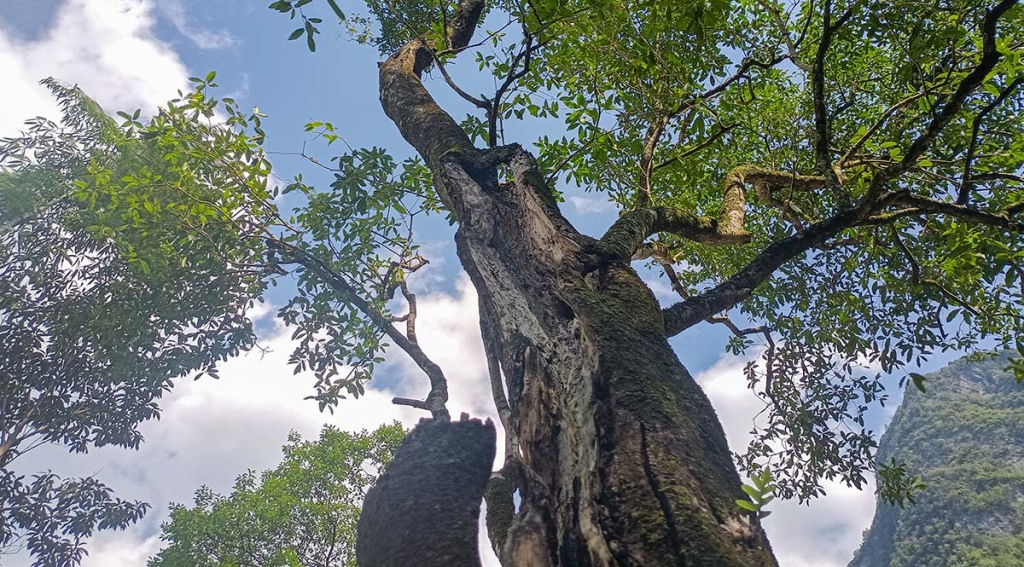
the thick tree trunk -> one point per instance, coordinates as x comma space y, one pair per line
623, 458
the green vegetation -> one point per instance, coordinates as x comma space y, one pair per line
112, 284
965, 439
843, 175
302, 513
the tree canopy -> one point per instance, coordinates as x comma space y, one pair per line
105, 299
303, 512
842, 178
837, 182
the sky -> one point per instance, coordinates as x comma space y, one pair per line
131, 54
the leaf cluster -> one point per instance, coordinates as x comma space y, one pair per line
303, 512
116, 278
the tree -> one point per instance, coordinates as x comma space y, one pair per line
301, 513
95, 328
844, 175
841, 176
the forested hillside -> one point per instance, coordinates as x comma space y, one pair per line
965, 438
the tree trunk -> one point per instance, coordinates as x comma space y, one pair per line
623, 460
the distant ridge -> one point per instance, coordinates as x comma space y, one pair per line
965, 439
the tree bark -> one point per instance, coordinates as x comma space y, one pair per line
623, 460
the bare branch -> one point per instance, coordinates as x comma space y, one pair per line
479, 103
492, 352
438, 396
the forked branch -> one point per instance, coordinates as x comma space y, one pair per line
438, 396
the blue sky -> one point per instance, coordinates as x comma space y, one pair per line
135, 54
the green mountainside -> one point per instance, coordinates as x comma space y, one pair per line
965, 438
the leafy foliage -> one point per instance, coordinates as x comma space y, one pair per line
132, 253
759, 494
664, 102
114, 280
965, 439
301, 513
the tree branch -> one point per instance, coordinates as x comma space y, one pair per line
690, 151
791, 48
463, 24
438, 396
420, 120
878, 124
685, 314
822, 141
922, 205
966, 183
514, 75
627, 234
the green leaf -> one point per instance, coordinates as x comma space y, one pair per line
747, 505
296, 34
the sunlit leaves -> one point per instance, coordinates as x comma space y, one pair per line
759, 494
361, 225
302, 512
110, 288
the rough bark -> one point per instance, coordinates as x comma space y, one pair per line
423, 509
623, 460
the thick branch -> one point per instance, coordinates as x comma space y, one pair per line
822, 141
628, 233
405, 100
463, 24
625, 237
438, 395
739, 287
685, 314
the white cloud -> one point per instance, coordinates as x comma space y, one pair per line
586, 204
212, 430
176, 12
107, 47
824, 533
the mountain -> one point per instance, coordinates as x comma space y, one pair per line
965, 438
